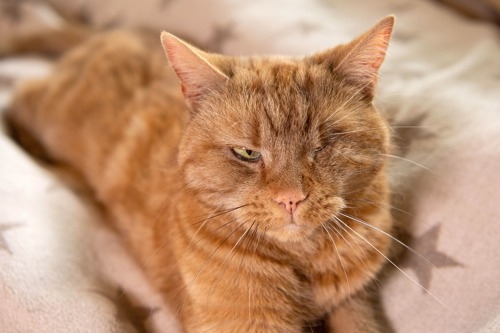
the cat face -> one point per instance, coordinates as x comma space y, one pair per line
289, 141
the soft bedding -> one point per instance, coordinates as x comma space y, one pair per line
62, 269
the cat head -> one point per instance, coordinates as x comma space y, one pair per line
288, 140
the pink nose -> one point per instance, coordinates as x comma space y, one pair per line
289, 200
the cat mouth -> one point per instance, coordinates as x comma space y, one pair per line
291, 231
292, 227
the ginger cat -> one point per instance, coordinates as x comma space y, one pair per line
251, 193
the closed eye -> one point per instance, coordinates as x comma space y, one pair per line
318, 149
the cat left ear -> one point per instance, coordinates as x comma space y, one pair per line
192, 66
359, 61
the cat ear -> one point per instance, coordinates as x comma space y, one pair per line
197, 74
360, 60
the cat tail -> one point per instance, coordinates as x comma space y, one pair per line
20, 114
65, 31
48, 42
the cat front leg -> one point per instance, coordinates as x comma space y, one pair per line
235, 302
355, 315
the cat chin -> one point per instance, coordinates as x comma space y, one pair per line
290, 233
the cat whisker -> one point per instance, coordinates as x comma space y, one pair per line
201, 226
363, 259
386, 206
412, 126
156, 218
366, 224
347, 157
357, 131
251, 233
217, 215
191, 244
203, 222
329, 128
186, 252
191, 284
241, 263
410, 161
389, 207
331, 125
392, 128
347, 102
389, 96
340, 257
392, 207
223, 264
253, 236
393, 264
200, 239
253, 257
338, 232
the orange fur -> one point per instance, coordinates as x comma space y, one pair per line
235, 246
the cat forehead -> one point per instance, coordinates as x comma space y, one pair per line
281, 85
269, 113
284, 91
279, 100
277, 73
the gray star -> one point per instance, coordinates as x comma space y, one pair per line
401, 6
409, 131
165, 3
427, 245
3, 243
5, 81
12, 8
307, 27
220, 36
403, 36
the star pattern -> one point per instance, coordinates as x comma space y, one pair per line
426, 245
84, 14
6, 82
401, 6
12, 8
221, 35
403, 36
411, 130
3, 243
128, 311
307, 27
165, 3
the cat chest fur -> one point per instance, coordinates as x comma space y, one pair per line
310, 278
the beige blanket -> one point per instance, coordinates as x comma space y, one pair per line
63, 270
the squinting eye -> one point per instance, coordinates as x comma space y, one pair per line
246, 154
318, 149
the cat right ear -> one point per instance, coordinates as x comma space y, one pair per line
359, 61
198, 76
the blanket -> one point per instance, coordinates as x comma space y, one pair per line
62, 269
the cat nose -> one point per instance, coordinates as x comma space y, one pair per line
289, 200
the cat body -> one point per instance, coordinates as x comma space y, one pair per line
241, 194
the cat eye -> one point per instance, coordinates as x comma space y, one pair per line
318, 149
246, 155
